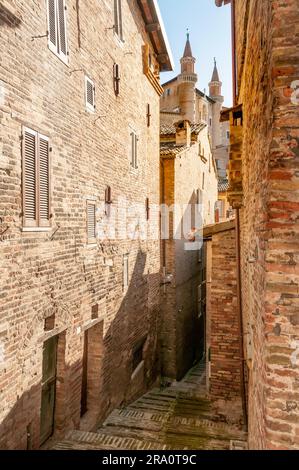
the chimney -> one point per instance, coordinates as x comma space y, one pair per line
183, 133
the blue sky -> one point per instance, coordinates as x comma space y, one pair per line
210, 36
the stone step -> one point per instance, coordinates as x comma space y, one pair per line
81, 440
142, 421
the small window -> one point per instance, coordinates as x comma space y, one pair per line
210, 121
227, 134
91, 222
203, 181
36, 179
89, 95
57, 38
118, 26
125, 272
168, 92
134, 150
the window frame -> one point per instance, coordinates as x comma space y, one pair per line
56, 48
36, 225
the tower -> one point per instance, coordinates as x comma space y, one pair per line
186, 83
215, 85
215, 93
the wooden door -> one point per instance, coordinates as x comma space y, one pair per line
48, 389
84, 376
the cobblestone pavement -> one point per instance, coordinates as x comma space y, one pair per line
178, 417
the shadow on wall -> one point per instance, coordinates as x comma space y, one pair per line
183, 329
126, 358
8, 18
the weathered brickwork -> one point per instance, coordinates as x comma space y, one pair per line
57, 272
224, 356
267, 56
187, 179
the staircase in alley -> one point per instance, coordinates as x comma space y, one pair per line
178, 417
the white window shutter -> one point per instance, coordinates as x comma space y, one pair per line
62, 28
29, 178
52, 25
89, 94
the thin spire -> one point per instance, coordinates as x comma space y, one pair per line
215, 76
188, 51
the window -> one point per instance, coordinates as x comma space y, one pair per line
227, 134
89, 95
134, 150
118, 27
57, 39
203, 181
210, 121
125, 272
36, 179
91, 222
168, 91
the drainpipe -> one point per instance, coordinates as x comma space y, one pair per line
240, 320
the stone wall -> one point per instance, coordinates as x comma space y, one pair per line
57, 274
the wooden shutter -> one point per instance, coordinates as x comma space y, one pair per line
91, 222
36, 179
62, 28
44, 181
90, 94
29, 178
52, 25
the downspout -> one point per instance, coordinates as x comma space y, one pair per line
240, 320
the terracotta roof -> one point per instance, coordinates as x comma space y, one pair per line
170, 148
169, 129
188, 51
223, 185
215, 76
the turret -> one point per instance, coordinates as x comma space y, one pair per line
215, 85
186, 83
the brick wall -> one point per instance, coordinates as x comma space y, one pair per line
267, 56
223, 317
43, 276
182, 332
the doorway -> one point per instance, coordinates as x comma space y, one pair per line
48, 394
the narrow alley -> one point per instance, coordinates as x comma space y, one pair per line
178, 417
